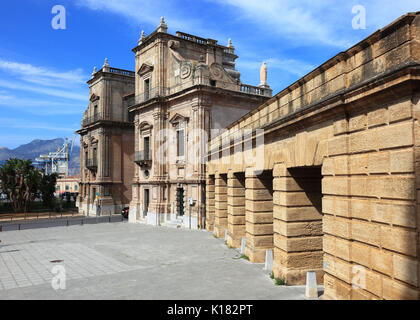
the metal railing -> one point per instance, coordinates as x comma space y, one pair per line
122, 72
89, 120
142, 156
92, 163
156, 92
159, 91
191, 37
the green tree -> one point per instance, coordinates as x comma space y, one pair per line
20, 181
47, 189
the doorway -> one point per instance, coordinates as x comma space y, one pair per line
146, 201
181, 208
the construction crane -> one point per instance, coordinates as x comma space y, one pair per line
57, 162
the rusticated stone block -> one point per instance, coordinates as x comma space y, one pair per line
298, 244
337, 145
294, 229
236, 211
236, 201
259, 206
259, 229
406, 269
400, 111
262, 241
296, 214
236, 219
259, 217
397, 135
392, 290
295, 198
402, 161
236, 192
258, 194
363, 141
399, 240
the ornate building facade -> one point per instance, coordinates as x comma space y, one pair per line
186, 88
107, 143
145, 133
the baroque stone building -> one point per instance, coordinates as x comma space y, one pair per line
185, 88
107, 143
329, 179
144, 133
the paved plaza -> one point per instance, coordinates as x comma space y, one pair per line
129, 261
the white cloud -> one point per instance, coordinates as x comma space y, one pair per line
44, 106
15, 123
325, 22
146, 12
15, 85
42, 75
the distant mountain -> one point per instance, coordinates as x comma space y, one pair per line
37, 147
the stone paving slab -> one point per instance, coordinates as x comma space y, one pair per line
130, 261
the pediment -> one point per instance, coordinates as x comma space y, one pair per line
177, 118
144, 69
145, 126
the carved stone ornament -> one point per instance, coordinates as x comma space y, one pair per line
216, 71
94, 97
173, 44
186, 70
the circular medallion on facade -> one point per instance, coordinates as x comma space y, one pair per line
186, 70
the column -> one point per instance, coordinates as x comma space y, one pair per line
220, 213
236, 208
297, 224
259, 214
210, 202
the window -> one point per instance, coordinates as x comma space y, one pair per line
180, 143
75, 187
146, 146
67, 187
94, 153
86, 158
58, 188
146, 89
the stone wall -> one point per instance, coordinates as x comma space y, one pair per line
341, 145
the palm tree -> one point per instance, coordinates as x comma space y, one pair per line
20, 182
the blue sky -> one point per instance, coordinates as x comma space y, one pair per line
43, 72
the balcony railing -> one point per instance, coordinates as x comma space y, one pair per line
143, 157
256, 90
92, 163
122, 72
89, 120
156, 92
